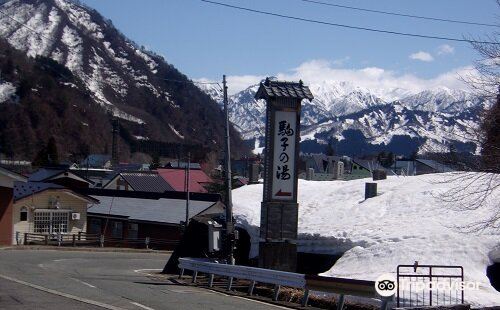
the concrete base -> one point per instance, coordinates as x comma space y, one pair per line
278, 256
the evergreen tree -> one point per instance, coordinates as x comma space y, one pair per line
155, 163
52, 153
330, 151
47, 155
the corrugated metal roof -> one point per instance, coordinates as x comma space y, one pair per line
281, 89
164, 210
146, 181
175, 178
435, 165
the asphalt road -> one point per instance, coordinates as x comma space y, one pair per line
36, 279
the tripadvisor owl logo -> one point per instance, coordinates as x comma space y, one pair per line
386, 285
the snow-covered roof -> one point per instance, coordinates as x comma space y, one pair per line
406, 222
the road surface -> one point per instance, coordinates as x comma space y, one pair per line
38, 279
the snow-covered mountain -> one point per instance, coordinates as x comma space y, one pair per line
156, 101
433, 118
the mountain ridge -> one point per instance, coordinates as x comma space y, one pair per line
437, 117
119, 76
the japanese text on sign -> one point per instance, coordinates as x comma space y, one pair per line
284, 155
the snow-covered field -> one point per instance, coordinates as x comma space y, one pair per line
406, 222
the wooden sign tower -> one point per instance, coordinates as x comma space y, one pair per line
279, 208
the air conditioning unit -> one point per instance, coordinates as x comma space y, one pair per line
75, 216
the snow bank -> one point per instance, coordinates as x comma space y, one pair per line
406, 222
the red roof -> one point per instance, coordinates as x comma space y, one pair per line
175, 178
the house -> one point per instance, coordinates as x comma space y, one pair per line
403, 167
159, 216
19, 166
424, 166
198, 180
47, 209
130, 167
361, 169
97, 161
7, 180
143, 181
63, 177
325, 167
182, 165
99, 176
241, 166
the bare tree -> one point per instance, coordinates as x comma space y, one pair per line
471, 191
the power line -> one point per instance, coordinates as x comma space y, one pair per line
400, 14
346, 26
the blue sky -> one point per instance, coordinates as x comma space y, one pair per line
205, 41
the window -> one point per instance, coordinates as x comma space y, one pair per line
133, 229
51, 222
116, 229
23, 217
95, 226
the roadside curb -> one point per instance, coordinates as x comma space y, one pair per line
81, 249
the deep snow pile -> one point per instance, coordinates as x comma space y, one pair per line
406, 222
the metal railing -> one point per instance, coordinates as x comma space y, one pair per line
341, 286
429, 285
85, 239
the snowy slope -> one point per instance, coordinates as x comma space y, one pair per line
116, 74
7, 90
406, 222
66, 30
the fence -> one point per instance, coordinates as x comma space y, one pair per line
307, 283
429, 285
84, 239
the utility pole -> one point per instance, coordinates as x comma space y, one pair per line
188, 166
228, 202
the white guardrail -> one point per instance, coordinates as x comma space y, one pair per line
339, 286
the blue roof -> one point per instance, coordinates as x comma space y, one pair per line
25, 189
96, 160
44, 174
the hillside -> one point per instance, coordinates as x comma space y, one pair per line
160, 110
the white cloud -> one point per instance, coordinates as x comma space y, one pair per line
374, 78
238, 83
422, 56
341, 61
445, 49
